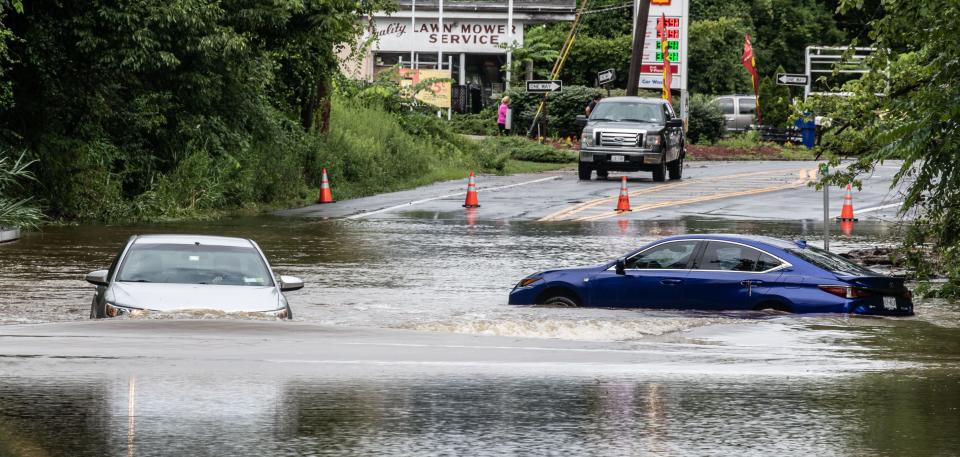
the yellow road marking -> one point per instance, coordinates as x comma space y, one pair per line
805, 176
592, 203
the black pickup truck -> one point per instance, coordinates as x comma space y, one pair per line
632, 134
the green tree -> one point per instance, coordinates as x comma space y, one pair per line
539, 52
907, 108
112, 97
775, 101
714, 62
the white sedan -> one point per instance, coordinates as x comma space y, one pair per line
172, 273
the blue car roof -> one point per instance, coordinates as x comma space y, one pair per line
748, 239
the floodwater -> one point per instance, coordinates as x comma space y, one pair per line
626, 382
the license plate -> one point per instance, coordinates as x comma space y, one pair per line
616, 158
890, 302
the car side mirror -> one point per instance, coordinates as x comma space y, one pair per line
621, 267
581, 120
98, 278
288, 283
675, 122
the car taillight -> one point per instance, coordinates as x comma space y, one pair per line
846, 291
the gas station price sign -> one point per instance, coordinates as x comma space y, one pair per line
674, 16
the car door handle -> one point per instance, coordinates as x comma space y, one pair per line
751, 282
670, 282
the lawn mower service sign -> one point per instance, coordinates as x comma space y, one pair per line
459, 35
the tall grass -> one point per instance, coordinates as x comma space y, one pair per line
369, 150
16, 211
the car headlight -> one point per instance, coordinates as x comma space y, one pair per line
528, 281
281, 313
112, 310
652, 141
587, 138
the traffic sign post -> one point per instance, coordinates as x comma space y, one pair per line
544, 86
786, 79
606, 77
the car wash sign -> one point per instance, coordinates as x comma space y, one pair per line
457, 35
675, 28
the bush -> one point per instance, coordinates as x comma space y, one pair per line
776, 108
482, 123
705, 123
561, 110
518, 148
15, 211
369, 150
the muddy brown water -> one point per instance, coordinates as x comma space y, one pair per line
830, 385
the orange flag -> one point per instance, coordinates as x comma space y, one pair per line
750, 63
665, 50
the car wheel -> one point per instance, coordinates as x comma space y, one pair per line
660, 170
583, 171
775, 306
602, 174
676, 167
558, 297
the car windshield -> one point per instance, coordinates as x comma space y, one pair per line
194, 264
830, 262
628, 111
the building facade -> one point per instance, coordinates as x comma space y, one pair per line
469, 37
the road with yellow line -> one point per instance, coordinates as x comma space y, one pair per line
694, 191
752, 190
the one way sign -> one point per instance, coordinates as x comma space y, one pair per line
786, 79
544, 86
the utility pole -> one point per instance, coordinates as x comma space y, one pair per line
636, 57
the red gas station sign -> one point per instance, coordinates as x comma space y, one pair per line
658, 68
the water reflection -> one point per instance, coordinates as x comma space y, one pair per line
872, 414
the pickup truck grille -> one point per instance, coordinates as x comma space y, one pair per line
621, 139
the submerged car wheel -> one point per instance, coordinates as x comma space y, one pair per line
558, 298
775, 306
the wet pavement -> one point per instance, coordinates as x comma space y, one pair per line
748, 190
403, 345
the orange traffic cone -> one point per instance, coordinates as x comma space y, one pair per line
471, 201
846, 212
325, 195
623, 203
846, 227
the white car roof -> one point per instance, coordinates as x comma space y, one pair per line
191, 239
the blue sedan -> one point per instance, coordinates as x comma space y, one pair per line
722, 272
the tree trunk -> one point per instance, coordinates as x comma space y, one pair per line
324, 99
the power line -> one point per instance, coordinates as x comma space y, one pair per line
609, 8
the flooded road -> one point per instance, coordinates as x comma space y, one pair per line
403, 344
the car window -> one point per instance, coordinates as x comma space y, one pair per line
673, 255
730, 257
725, 105
194, 264
831, 262
767, 262
628, 111
747, 105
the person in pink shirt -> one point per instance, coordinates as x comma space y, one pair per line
502, 115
